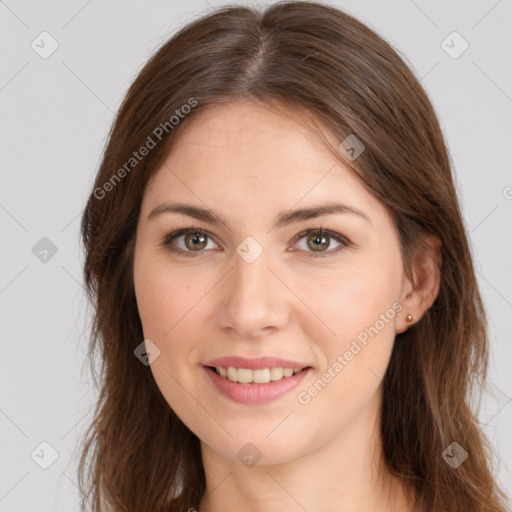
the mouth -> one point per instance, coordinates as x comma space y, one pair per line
259, 376
252, 387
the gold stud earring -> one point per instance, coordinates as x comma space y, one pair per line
409, 318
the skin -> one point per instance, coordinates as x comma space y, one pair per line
248, 164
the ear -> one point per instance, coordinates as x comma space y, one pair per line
420, 294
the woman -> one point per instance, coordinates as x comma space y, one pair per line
286, 307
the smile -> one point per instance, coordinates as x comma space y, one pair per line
247, 386
260, 376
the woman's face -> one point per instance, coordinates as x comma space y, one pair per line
252, 287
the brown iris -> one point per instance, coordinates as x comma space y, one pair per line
196, 239
319, 241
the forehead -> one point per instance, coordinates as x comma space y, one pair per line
250, 137
248, 157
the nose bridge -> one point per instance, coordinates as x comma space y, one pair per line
254, 300
251, 276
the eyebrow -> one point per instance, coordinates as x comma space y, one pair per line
284, 218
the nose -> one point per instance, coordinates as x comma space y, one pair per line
254, 301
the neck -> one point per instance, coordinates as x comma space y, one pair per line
347, 473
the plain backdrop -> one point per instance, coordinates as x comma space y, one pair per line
55, 113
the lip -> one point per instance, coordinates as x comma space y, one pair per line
252, 393
255, 364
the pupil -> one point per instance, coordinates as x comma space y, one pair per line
320, 241
197, 239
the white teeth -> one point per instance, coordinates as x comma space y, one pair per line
232, 374
260, 376
276, 373
243, 375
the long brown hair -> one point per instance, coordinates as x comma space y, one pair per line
137, 455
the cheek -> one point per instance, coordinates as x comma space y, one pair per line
347, 302
356, 315
166, 297
169, 305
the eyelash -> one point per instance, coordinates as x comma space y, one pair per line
168, 239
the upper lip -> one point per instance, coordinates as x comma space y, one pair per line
255, 364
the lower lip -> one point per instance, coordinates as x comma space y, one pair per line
252, 393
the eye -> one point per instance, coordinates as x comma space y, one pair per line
195, 240
319, 239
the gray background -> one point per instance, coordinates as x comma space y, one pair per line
55, 116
